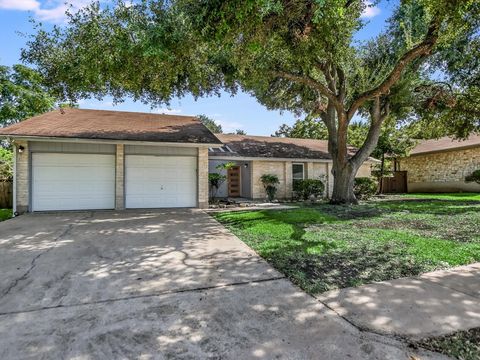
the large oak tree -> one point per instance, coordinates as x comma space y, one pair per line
297, 55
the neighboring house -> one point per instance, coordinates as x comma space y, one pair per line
90, 159
288, 158
441, 165
76, 159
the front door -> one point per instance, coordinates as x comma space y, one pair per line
234, 181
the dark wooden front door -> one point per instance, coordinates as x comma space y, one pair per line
234, 181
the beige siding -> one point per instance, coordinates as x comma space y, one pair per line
71, 147
160, 150
442, 171
365, 170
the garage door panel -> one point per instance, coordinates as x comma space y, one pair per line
160, 181
73, 181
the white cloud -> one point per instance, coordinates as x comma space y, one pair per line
370, 10
167, 111
24, 5
50, 10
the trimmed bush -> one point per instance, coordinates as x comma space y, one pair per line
306, 188
473, 177
364, 188
270, 182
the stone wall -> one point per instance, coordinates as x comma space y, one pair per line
202, 178
22, 176
120, 177
441, 171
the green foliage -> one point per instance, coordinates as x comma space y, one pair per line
5, 214
225, 166
300, 56
473, 177
323, 247
270, 182
215, 180
22, 94
308, 187
6, 164
364, 188
240, 132
210, 124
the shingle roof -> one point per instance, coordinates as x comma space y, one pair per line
114, 125
272, 147
444, 144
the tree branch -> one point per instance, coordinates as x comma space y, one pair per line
312, 83
422, 49
378, 116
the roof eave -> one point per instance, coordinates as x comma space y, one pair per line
107, 141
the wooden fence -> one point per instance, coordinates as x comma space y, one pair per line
395, 184
6, 194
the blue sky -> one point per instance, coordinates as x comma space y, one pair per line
239, 112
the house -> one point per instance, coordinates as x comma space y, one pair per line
90, 159
76, 159
441, 165
288, 158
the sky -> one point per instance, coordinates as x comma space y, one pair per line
241, 111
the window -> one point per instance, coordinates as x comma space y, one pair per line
297, 171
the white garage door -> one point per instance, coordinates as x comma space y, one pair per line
160, 181
72, 181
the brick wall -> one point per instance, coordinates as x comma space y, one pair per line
442, 171
22, 176
119, 178
202, 178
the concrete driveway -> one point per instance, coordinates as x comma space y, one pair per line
158, 285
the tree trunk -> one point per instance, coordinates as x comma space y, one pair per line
343, 181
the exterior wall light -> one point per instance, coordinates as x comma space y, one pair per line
20, 149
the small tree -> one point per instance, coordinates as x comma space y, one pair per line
473, 177
269, 182
215, 180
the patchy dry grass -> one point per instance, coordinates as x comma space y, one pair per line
463, 345
321, 247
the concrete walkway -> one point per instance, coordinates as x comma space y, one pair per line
432, 304
160, 285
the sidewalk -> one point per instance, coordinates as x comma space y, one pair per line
432, 304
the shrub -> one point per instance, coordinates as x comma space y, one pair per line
308, 187
473, 177
269, 182
364, 188
215, 180
6, 164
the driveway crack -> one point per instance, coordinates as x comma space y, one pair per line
33, 263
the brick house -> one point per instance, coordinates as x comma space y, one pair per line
78, 159
440, 165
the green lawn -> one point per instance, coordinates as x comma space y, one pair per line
5, 214
321, 247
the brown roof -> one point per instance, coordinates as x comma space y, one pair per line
444, 144
113, 125
272, 147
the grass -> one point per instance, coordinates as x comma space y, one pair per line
322, 247
5, 214
464, 345
446, 196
